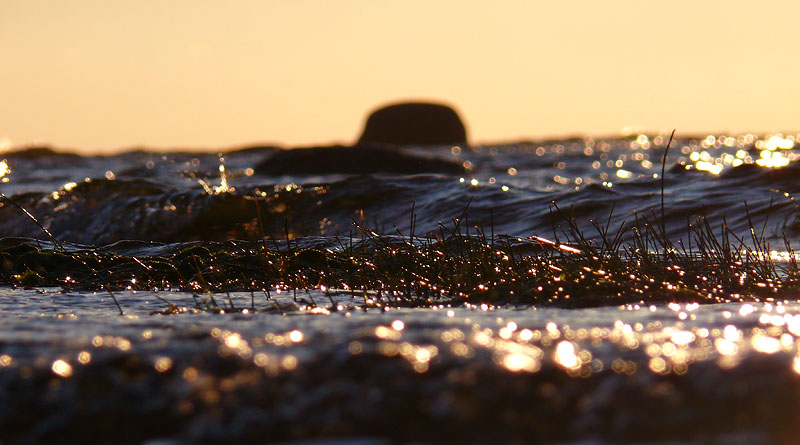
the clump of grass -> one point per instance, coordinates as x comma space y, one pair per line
460, 263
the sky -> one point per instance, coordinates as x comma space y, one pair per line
99, 76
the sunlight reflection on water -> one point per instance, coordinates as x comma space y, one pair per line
205, 359
64, 329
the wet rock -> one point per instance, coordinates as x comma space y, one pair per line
359, 159
414, 123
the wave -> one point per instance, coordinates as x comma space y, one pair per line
518, 189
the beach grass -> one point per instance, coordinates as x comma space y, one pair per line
634, 263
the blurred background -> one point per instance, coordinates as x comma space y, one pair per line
97, 76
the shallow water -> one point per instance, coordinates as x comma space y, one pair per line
474, 373
297, 367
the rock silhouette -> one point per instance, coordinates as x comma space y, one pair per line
359, 159
414, 123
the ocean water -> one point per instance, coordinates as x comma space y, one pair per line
314, 364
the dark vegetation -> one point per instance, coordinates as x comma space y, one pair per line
461, 263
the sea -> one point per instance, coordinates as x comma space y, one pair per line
81, 365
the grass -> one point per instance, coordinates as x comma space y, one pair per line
632, 263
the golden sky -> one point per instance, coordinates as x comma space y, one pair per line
105, 75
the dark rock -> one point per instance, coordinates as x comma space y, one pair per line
414, 124
359, 159
253, 149
36, 152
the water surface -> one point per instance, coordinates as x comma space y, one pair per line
323, 365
